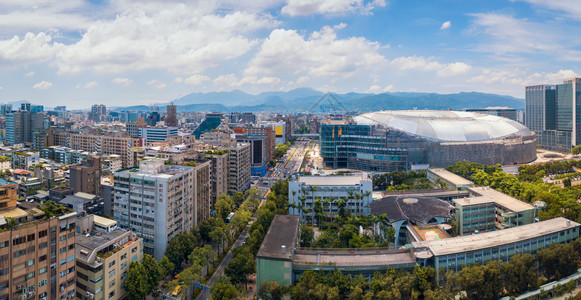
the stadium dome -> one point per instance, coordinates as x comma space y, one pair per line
387, 141
450, 126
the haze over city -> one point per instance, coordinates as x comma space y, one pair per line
77, 53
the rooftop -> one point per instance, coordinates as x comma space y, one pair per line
103, 222
473, 201
418, 209
346, 259
451, 177
282, 231
88, 246
4, 182
495, 238
451, 126
500, 199
332, 180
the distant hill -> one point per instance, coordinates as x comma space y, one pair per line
301, 100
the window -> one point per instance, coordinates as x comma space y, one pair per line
30, 263
111, 264
63, 250
3, 244
112, 284
111, 273
112, 294
4, 271
42, 234
31, 237
18, 241
71, 258
41, 270
63, 261
30, 275
42, 245
71, 246
42, 283
19, 253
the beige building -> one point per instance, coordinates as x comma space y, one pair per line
106, 145
104, 253
37, 255
238, 167
202, 191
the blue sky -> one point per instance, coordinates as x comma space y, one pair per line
122, 52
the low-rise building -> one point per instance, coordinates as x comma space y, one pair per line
353, 191
103, 255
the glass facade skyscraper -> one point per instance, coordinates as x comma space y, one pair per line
552, 112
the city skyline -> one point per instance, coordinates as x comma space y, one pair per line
119, 53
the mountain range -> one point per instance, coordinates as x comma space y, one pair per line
307, 99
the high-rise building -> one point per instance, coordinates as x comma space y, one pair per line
86, 176
37, 254
106, 145
553, 112
202, 191
219, 173
156, 202
238, 167
172, 118
98, 113
20, 126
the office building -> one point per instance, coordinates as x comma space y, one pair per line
259, 153
157, 134
505, 112
103, 255
98, 113
404, 140
37, 255
211, 122
238, 168
86, 177
551, 112
20, 126
171, 119
303, 192
156, 202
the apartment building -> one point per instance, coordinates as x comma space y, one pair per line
104, 253
86, 176
106, 145
219, 173
155, 201
202, 191
37, 254
238, 167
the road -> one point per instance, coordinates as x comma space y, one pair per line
220, 269
290, 164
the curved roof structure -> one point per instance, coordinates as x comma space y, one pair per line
420, 210
450, 126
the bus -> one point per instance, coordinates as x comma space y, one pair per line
229, 218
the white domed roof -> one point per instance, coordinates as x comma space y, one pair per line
451, 126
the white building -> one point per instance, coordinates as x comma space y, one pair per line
352, 193
157, 134
156, 202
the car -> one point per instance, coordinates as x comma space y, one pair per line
177, 290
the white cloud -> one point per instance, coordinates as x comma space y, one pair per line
320, 54
376, 89
269, 80
446, 25
506, 36
179, 37
43, 85
229, 80
520, 78
125, 82
196, 79
310, 7
453, 69
569, 7
178, 80
429, 64
156, 84
91, 85
29, 74
41, 15
1, 88
32, 48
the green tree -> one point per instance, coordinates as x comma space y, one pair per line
224, 205
223, 289
238, 198
269, 290
520, 274
166, 267
136, 282
307, 236
152, 273
576, 150
180, 247
241, 265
